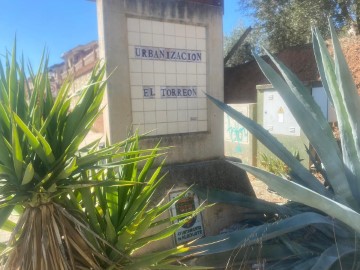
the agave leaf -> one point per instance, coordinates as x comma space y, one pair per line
320, 65
301, 194
351, 101
245, 255
300, 265
239, 199
257, 234
350, 154
295, 247
304, 176
312, 121
347, 86
332, 255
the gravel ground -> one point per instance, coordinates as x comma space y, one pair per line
262, 192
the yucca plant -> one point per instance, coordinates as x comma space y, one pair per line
123, 216
79, 207
319, 228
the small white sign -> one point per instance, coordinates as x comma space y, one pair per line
192, 229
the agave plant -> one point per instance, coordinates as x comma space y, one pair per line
80, 207
319, 228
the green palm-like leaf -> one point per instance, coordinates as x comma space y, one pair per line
80, 207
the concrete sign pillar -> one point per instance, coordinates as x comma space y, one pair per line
164, 56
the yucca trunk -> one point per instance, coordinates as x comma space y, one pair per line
48, 240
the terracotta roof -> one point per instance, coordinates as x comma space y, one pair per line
78, 48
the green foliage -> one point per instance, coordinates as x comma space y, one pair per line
274, 165
80, 207
288, 22
243, 54
122, 216
327, 217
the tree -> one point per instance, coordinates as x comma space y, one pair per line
288, 22
252, 41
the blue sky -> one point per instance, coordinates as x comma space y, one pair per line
60, 25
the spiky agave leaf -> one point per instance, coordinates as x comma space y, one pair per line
337, 207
